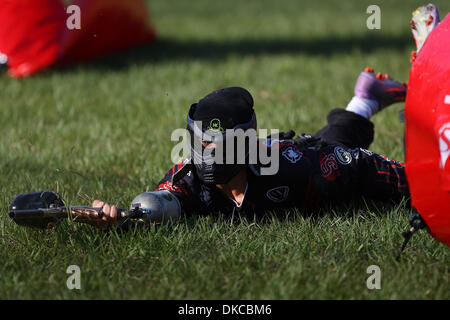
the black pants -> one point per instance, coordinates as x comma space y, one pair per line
348, 129
374, 175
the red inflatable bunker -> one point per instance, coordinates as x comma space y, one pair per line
427, 114
34, 34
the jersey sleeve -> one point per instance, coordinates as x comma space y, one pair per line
185, 189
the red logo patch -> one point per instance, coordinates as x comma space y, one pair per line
329, 166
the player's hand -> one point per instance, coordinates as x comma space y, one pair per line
109, 214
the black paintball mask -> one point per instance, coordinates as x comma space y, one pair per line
217, 125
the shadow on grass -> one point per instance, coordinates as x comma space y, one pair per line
167, 49
344, 211
24, 175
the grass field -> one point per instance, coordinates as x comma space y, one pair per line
102, 131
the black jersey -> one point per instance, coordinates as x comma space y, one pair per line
312, 174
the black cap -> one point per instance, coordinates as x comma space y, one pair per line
223, 109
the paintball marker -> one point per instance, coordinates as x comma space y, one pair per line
45, 209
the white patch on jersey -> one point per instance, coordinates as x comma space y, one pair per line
269, 142
278, 194
354, 153
292, 154
343, 156
368, 152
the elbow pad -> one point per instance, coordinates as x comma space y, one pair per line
158, 206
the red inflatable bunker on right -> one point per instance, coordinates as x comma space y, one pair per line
427, 114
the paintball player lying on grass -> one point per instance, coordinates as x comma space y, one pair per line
332, 166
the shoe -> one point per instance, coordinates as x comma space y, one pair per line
424, 20
379, 87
